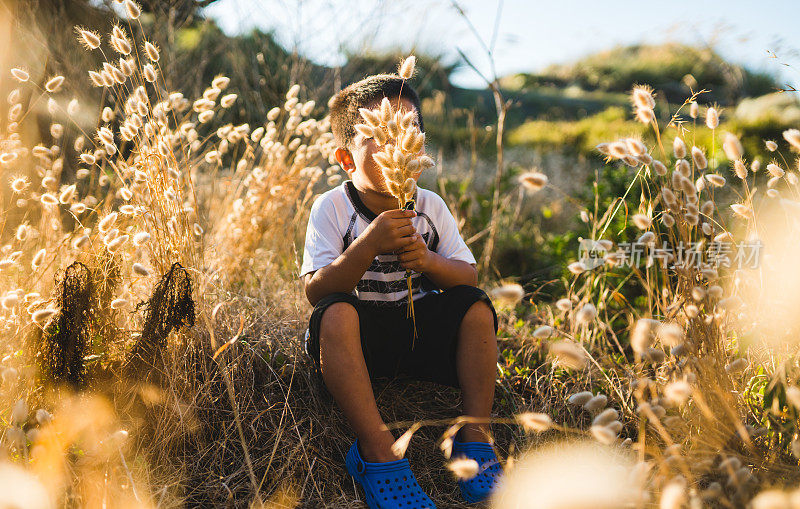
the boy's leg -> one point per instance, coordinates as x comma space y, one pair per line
476, 362
347, 379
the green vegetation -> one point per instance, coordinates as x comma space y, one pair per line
669, 68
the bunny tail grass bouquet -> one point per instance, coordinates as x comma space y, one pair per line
401, 154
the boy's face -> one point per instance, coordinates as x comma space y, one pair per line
358, 161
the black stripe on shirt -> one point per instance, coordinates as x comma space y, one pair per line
385, 267
435, 243
372, 285
347, 239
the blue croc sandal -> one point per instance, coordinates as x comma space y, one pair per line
387, 485
478, 488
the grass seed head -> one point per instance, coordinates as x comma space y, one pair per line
596, 403
673, 496
221, 83
401, 444
677, 392
699, 158
694, 109
741, 210
715, 180
19, 413
603, 434
643, 334
534, 422
118, 303
647, 238
464, 468
679, 147
67, 194
793, 137
132, 9
580, 398
793, 396
80, 241
605, 417
19, 184
152, 51
149, 73
775, 170
41, 316
642, 97
586, 314
570, 475
670, 334
737, 365
733, 147
635, 147
740, 169
564, 304
406, 69
89, 39
48, 200
645, 115
227, 100
38, 259
20, 75
533, 181
107, 222
772, 499
54, 84
508, 294
568, 354
642, 221
683, 168
712, 118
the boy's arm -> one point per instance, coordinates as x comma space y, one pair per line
388, 232
342, 274
446, 273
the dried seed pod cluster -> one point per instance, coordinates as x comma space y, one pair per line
401, 147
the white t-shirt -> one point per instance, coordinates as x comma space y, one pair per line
338, 217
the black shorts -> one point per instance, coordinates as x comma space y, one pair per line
386, 335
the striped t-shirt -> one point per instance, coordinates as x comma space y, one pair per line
339, 216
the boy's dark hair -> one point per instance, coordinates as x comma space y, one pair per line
344, 106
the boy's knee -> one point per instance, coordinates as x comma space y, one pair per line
480, 315
338, 317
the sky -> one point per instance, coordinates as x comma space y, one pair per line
529, 35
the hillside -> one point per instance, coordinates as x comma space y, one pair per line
671, 68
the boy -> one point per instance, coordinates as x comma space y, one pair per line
357, 249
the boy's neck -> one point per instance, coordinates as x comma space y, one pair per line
376, 202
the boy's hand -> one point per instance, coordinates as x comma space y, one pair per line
415, 256
391, 231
